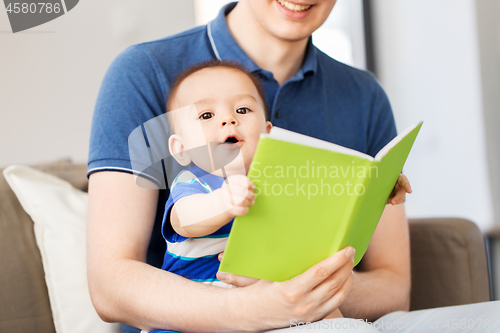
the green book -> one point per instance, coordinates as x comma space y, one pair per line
313, 199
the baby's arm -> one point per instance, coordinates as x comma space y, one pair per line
202, 214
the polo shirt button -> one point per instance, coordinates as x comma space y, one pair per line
277, 114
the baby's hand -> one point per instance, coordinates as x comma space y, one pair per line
237, 195
398, 194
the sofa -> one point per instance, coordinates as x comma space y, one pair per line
448, 260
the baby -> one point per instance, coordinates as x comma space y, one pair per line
217, 112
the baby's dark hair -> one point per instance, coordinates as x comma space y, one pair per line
215, 64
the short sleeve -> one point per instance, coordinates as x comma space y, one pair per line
185, 184
132, 93
381, 127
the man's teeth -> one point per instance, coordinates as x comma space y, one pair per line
292, 6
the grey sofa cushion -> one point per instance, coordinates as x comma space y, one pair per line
448, 263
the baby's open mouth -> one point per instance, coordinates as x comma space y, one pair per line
231, 139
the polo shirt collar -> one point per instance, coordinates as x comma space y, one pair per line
223, 43
226, 48
310, 64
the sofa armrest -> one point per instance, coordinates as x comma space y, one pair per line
448, 263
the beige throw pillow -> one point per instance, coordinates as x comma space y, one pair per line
59, 213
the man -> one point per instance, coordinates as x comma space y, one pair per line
344, 105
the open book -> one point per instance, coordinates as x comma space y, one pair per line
313, 199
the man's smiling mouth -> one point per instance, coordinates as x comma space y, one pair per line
293, 7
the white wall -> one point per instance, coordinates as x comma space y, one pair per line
428, 61
342, 35
50, 75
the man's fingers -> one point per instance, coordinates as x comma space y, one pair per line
399, 191
338, 298
408, 187
334, 283
393, 193
405, 183
399, 197
322, 270
236, 280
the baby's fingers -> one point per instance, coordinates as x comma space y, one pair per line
238, 210
244, 193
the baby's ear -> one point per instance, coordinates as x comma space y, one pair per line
178, 151
268, 126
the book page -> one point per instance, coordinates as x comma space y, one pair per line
281, 134
394, 141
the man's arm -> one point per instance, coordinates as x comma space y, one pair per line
383, 283
122, 286
125, 289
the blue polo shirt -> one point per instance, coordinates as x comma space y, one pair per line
324, 99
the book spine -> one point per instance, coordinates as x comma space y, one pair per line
356, 205
372, 207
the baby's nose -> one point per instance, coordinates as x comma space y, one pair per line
226, 122
228, 119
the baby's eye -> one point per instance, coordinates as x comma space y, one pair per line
243, 110
206, 115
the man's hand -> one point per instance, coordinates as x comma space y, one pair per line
308, 297
237, 195
245, 281
398, 194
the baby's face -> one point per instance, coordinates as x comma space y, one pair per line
228, 111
